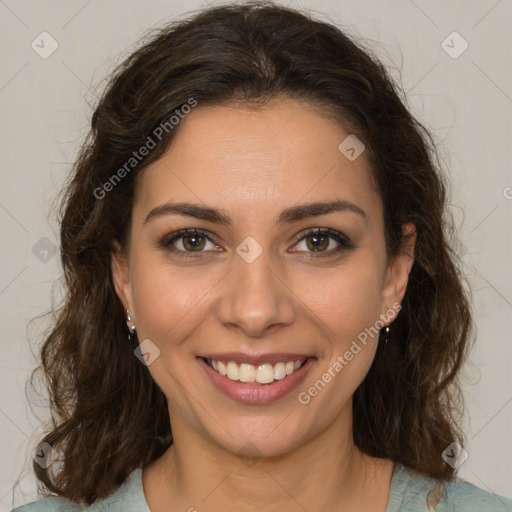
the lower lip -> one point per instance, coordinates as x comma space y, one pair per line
257, 393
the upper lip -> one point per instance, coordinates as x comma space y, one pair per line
257, 359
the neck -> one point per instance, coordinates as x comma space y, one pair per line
326, 473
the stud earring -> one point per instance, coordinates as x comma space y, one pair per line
131, 328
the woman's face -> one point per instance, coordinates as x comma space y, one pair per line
252, 286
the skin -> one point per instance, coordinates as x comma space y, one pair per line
252, 164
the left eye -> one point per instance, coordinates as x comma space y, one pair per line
318, 241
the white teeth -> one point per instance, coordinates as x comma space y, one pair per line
221, 367
262, 374
247, 373
265, 373
279, 371
233, 371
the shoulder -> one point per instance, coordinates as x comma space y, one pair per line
466, 497
128, 497
49, 504
411, 491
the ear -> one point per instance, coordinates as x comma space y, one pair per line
397, 273
121, 277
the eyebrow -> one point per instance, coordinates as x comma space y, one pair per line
288, 216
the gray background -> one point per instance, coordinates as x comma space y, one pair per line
466, 101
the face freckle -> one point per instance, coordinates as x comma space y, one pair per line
255, 286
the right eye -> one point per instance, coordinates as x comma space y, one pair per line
191, 241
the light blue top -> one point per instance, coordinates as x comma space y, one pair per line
409, 492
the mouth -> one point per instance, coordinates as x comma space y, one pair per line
260, 382
262, 374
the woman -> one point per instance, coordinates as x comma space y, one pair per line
263, 219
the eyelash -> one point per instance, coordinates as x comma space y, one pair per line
343, 241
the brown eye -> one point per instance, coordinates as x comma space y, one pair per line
317, 242
188, 241
193, 242
322, 242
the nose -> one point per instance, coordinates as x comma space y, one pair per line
255, 298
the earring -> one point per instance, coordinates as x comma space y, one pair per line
386, 335
131, 328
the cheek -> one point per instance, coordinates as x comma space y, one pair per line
349, 305
169, 301
347, 299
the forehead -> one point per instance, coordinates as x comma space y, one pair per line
256, 160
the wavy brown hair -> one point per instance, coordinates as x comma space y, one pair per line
108, 415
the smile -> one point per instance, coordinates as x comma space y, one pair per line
261, 374
256, 383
